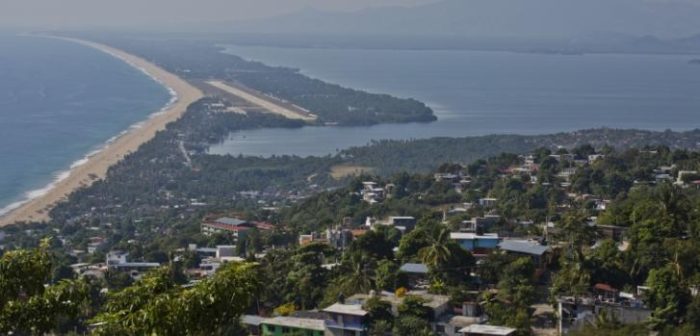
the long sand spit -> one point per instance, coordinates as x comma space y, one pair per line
96, 166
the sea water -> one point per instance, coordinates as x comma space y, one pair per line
59, 103
477, 93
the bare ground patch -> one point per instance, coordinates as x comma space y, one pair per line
340, 171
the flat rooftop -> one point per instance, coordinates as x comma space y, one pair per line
296, 322
483, 329
346, 309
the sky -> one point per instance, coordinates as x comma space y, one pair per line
125, 13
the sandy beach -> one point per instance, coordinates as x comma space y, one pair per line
97, 165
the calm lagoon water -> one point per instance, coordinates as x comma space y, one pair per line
60, 101
477, 93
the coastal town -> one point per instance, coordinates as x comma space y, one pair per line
451, 253
588, 232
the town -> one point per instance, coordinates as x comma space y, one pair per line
548, 243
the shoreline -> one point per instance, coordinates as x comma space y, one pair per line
94, 165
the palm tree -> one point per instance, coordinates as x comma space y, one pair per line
360, 277
675, 205
438, 252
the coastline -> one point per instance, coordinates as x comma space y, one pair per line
95, 164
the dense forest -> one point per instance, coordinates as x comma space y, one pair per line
391, 156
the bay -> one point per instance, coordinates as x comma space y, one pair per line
478, 93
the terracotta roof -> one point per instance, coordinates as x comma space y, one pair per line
605, 287
358, 232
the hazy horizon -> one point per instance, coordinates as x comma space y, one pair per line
163, 13
483, 18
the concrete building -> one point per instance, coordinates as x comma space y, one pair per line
117, 260
488, 202
527, 248
234, 226
285, 325
346, 319
487, 330
475, 242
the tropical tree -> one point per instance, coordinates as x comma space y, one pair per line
306, 279
438, 251
155, 305
27, 304
379, 316
448, 261
666, 296
359, 274
387, 275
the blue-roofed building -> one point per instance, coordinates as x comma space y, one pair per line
414, 268
346, 320
528, 248
416, 274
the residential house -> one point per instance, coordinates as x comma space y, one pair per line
451, 325
563, 157
480, 223
402, 223
527, 248
234, 226
595, 157
372, 193
117, 260
286, 325
417, 274
447, 177
438, 304
474, 242
613, 232
252, 324
488, 202
487, 330
346, 319
601, 204
306, 239
683, 175
574, 313
339, 238
95, 243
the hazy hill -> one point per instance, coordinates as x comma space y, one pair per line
490, 18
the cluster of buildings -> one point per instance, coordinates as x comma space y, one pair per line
372, 193
115, 261
235, 227
349, 317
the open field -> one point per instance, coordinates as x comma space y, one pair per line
341, 171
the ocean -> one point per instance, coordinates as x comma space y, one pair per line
60, 102
478, 93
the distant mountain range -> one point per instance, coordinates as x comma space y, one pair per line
493, 18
